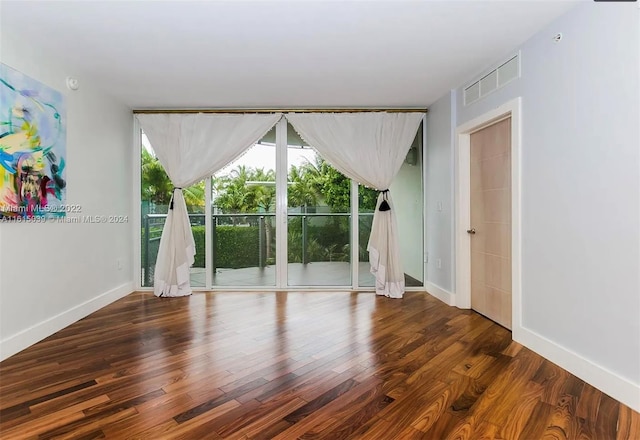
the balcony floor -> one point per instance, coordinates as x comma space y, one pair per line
323, 273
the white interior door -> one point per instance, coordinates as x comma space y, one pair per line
490, 228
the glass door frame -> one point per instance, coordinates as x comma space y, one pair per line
208, 236
281, 204
281, 223
282, 220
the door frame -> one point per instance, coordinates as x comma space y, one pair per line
281, 221
462, 172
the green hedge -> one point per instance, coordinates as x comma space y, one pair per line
237, 246
198, 236
154, 244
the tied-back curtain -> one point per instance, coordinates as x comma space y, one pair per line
192, 147
368, 148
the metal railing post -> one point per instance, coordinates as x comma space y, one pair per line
304, 240
146, 250
214, 244
262, 240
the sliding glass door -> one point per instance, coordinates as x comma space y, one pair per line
155, 197
281, 216
406, 189
243, 196
318, 219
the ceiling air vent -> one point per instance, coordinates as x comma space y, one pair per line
493, 80
508, 71
489, 83
472, 93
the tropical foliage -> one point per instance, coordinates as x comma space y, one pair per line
245, 190
157, 187
248, 190
252, 190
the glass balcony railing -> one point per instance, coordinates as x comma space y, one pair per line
241, 241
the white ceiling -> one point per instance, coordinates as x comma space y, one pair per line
310, 54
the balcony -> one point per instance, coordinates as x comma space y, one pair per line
243, 248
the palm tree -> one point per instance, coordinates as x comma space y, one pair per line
303, 189
157, 187
259, 174
240, 173
264, 197
234, 199
194, 196
235, 195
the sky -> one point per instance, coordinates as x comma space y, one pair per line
260, 156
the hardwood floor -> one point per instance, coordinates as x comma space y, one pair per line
296, 365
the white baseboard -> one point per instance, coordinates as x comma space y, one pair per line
438, 292
27, 337
606, 381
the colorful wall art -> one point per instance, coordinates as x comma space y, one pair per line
32, 148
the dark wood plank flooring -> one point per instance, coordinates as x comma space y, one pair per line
295, 365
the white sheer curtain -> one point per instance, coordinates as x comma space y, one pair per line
368, 148
192, 147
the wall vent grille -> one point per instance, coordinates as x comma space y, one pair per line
497, 78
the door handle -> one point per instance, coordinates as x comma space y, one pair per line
471, 231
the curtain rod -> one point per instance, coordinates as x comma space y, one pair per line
284, 110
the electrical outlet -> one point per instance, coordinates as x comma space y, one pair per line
119, 263
439, 263
439, 206
426, 257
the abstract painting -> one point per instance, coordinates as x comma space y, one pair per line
32, 148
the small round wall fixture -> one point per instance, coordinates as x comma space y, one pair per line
72, 83
557, 37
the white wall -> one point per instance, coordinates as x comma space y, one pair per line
53, 274
407, 199
580, 192
439, 193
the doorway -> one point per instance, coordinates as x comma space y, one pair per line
488, 243
279, 217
